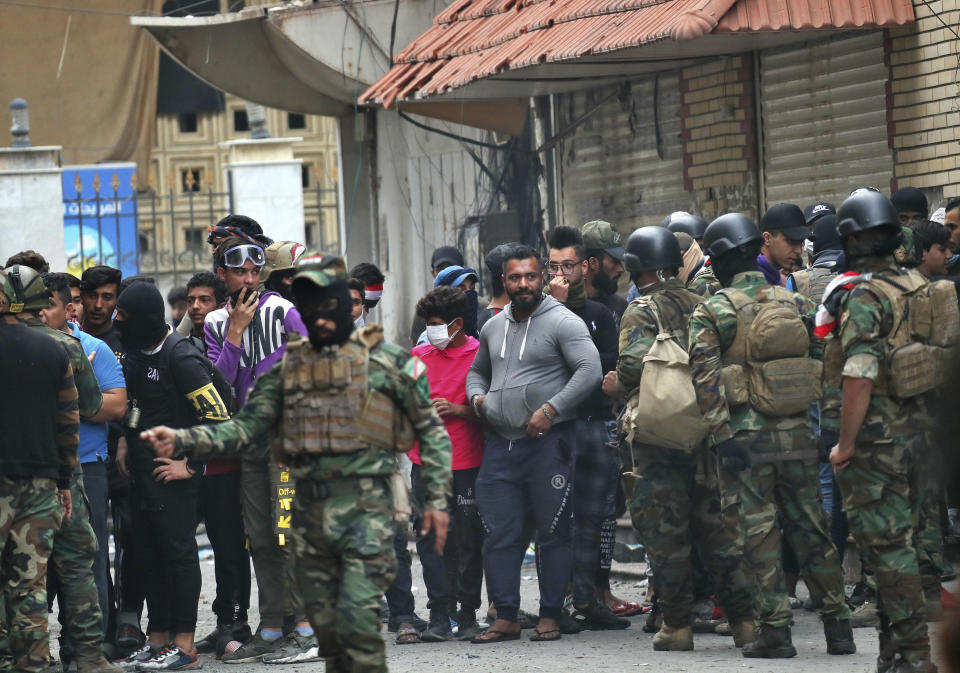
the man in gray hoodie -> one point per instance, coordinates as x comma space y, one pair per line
535, 365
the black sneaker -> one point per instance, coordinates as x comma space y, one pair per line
597, 617
438, 630
242, 633
208, 644
467, 626
567, 624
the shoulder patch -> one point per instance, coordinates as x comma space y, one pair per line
415, 368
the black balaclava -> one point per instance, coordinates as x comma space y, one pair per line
307, 296
275, 283
143, 325
738, 260
910, 199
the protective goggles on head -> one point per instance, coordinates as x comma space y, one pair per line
237, 255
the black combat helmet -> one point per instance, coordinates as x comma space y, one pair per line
651, 248
30, 292
687, 224
729, 231
866, 209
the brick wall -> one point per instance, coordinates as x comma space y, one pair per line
719, 159
923, 101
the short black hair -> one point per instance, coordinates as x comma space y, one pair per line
447, 303
29, 258
98, 276
130, 280
367, 273
357, 284
177, 294
931, 233
520, 252
207, 279
952, 205
568, 237
59, 283
247, 225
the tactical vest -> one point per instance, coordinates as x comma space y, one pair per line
329, 406
924, 333
768, 365
812, 282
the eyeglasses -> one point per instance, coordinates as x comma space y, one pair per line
567, 267
236, 256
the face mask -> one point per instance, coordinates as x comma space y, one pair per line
342, 315
360, 322
144, 325
439, 337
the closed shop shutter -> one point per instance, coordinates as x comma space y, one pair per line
625, 163
825, 120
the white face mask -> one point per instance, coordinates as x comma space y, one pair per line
438, 337
360, 322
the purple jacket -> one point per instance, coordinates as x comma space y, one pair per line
770, 272
264, 342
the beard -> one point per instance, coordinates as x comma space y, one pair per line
603, 282
526, 300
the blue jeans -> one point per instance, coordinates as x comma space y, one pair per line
95, 484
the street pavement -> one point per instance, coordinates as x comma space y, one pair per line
590, 652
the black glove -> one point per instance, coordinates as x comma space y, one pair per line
733, 456
825, 443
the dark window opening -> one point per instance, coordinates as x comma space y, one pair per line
190, 179
188, 122
296, 120
195, 238
240, 121
144, 243
305, 175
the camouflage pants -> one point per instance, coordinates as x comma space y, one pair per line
71, 574
776, 493
877, 499
927, 529
675, 505
30, 513
343, 531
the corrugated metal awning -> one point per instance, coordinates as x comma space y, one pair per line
522, 42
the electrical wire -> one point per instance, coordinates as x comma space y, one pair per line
463, 139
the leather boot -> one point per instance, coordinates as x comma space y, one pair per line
669, 639
839, 635
771, 643
743, 633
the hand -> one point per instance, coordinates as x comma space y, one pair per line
241, 316
539, 424
734, 457
560, 289
840, 456
91, 355
172, 470
66, 502
448, 409
825, 444
611, 385
121, 459
438, 521
161, 438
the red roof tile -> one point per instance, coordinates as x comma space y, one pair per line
475, 39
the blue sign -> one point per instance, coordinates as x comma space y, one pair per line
100, 225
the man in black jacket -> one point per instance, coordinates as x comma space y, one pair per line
597, 466
39, 423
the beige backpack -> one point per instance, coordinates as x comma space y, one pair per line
663, 411
768, 363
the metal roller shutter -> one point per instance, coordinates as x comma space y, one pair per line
611, 168
825, 120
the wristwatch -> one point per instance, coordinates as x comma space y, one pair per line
547, 412
476, 408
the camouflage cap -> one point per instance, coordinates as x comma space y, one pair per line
321, 270
600, 235
281, 255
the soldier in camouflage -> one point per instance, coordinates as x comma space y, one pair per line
74, 543
338, 412
879, 438
768, 458
38, 455
673, 495
704, 281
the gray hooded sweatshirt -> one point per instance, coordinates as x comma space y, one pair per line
549, 357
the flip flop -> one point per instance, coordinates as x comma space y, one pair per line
407, 635
545, 636
626, 609
502, 636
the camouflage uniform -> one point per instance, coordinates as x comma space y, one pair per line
74, 543
704, 282
30, 513
878, 496
782, 485
675, 500
343, 515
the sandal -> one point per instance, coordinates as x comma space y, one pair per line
501, 636
626, 609
546, 636
408, 635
